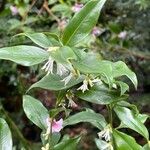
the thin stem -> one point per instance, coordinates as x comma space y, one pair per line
45, 6
110, 115
15, 129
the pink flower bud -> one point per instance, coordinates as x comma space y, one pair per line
56, 125
14, 10
122, 35
96, 31
77, 7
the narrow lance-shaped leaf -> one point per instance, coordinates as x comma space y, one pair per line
87, 116
43, 40
24, 55
63, 54
35, 111
82, 23
69, 144
124, 141
54, 82
121, 69
131, 120
5, 136
101, 94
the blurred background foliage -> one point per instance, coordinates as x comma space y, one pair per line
122, 33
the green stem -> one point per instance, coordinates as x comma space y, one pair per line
110, 115
15, 129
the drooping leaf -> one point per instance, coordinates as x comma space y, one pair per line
101, 144
24, 55
131, 120
82, 23
121, 69
123, 87
54, 82
35, 111
92, 63
147, 146
101, 94
70, 144
38, 38
125, 142
5, 136
63, 54
89, 116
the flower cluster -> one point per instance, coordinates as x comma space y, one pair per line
87, 82
106, 135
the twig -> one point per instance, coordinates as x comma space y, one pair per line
45, 6
26, 13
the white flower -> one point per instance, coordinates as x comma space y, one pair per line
67, 78
84, 87
122, 35
48, 67
61, 69
46, 147
91, 82
106, 134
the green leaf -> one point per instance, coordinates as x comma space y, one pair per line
55, 138
35, 111
38, 38
70, 144
87, 116
5, 136
121, 69
101, 144
54, 82
92, 63
82, 23
123, 87
131, 120
24, 55
125, 142
63, 54
141, 117
147, 146
101, 94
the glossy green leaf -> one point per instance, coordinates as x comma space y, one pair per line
24, 55
92, 63
101, 94
35, 111
38, 38
54, 82
82, 23
121, 69
147, 146
5, 136
89, 116
131, 120
124, 141
141, 117
55, 138
63, 54
70, 144
101, 144
123, 87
